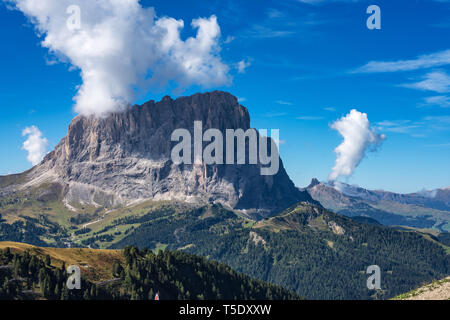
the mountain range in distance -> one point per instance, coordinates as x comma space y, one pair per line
423, 210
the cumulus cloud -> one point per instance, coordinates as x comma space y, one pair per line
35, 145
358, 136
123, 49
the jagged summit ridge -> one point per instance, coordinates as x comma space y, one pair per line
125, 158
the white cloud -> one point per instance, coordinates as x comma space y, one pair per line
275, 114
123, 49
438, 145
274, 13
229, 39
358, 137
284, 103
353, 1
36, 145
311, 1
441, 101
242, 65
399, 126
438, 120
266, 32
325, 1
421, 62
309, 118
418, 128
437, 81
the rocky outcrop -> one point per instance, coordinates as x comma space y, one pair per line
125, 158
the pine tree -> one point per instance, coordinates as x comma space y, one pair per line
117, 269
65, 293
92, 291
48, 260
151, 294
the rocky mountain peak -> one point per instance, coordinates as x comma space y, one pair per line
144, 130
314, 182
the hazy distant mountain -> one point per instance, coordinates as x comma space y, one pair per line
430, 209
436, 199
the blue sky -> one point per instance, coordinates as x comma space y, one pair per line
304, 70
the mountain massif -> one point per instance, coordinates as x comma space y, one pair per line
125, 158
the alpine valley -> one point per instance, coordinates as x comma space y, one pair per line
110, 184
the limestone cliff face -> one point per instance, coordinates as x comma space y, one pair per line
125, 158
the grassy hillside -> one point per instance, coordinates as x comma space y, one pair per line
95, 264
29, 272
437, 290
13, 179
39, 216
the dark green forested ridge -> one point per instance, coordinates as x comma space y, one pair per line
173, 275
178, 275
25, 276
29, 230
314, 252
